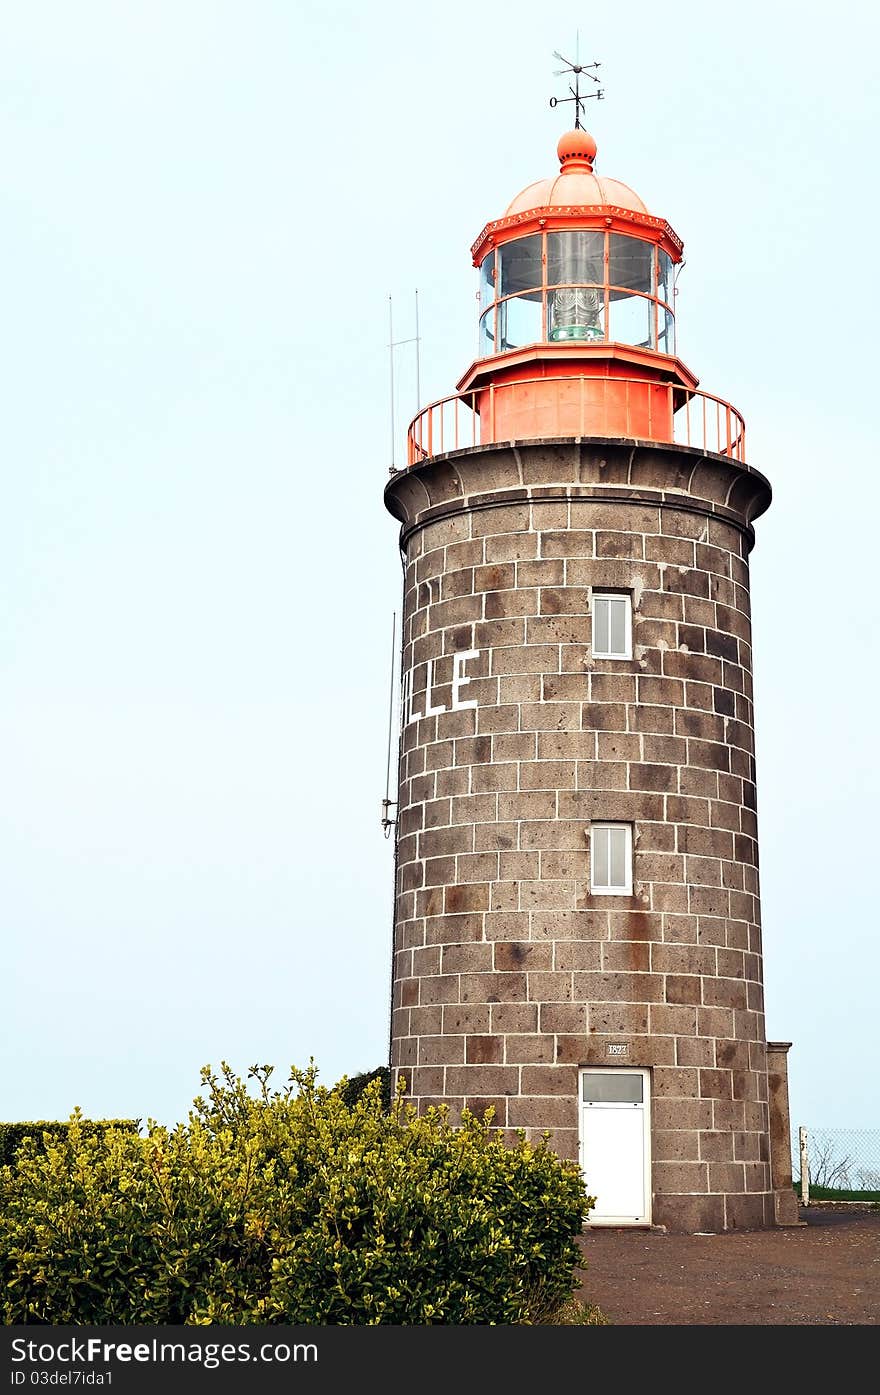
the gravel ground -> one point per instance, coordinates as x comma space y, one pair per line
826, 1273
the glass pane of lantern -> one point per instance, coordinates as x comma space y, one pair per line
519, 265
575, 258
576, 312
520, 321
612, 1087
632, 321
487, 280
487, 334
665, 331
630, 263
664, 278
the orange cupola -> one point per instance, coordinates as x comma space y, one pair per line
577, 323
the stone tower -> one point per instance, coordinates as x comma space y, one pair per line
577, 927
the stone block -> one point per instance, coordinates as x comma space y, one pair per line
547, 572
519, 865
499, 576
528, 955
506, 925
495, 634
689, 1214
501, 605
439, 988
570, 542
676, 1145
493, 988
630, 956
525, 658
504, 896
529, 1048
547, 895
550, 1080
550, 987
676, 1019
466, 958
542, 1113
520, 687
565, 1018
514, 1017
454, 929
680, 1177
485, 1050
617, 1018
587, 955
507, 547
472, 897
694, 1051
565, 687
466, 1019
482, 1080
440, 1051
490, 837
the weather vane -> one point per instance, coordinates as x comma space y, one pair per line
579, 70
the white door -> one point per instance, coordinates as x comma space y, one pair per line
615, 1144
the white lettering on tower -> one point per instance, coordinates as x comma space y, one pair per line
459, 680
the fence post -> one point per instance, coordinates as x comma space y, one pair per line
805, 1166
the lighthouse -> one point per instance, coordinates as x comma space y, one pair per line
577, 938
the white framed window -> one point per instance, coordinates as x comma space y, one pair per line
611, 859
612, 625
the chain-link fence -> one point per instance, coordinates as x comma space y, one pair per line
838, 1161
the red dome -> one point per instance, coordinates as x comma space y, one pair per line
576, 185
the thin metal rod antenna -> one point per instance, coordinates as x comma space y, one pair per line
418, 348
392, 345
387, 802
391, 362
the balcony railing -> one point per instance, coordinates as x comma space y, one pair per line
632, 408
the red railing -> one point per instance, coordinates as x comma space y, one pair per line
698, 419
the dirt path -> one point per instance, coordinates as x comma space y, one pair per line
826, 1273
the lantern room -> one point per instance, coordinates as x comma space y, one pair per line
576, 327
576, 259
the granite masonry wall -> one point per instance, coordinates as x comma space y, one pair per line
509, 974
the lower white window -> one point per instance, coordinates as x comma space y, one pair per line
612, 625
611, 858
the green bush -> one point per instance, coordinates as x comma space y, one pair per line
12, 1135
352, 1087
288, 1207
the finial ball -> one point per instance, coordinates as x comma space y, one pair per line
576, 145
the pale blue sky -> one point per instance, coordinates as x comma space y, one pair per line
203, 208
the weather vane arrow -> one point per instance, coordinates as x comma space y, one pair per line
579, 70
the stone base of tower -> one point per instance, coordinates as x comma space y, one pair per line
688, 1214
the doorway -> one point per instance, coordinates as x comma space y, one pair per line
615, 1143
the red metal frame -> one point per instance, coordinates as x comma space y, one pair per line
432, 432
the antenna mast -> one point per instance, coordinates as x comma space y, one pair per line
395, 344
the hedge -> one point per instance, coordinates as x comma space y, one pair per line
290, 1207
12, 1135
352, 1087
